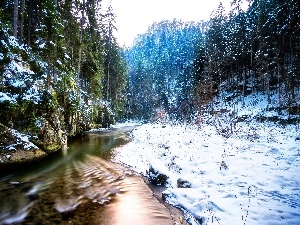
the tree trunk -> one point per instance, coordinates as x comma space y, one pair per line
291, 65
16, 5
22, 20
268, 89
80, 47
108, 55
278, 78
244, 83
29, 22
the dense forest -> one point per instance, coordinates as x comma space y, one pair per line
62, 69
161, 66
178, 67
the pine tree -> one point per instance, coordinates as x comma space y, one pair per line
165, 54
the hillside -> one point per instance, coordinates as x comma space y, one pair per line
240, 165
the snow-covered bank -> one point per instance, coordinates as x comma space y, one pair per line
257, 183
16, 147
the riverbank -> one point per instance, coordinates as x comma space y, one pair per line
253, 168
157, 190
16, 148
176, 214
80, 186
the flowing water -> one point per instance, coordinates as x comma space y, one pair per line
80, 186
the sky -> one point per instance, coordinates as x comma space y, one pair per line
133, 17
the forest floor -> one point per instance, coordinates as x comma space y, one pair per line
244, 172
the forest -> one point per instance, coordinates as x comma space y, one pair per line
61, 68
180, 66
63, 72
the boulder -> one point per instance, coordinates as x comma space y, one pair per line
157, 173
181, 183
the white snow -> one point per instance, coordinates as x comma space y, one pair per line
16, 68
4, 44
261, 184
128, 123
4, 97
67, 56
14, 42
41, 46
21, 139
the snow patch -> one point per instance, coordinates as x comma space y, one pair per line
4, 97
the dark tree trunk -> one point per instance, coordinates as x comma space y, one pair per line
22, 20
16, 5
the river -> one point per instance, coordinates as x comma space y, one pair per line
80, 186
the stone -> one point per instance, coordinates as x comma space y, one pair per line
181, 183
33, 197
223, 165
156, 177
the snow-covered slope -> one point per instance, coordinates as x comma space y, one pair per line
16, 147
240, 172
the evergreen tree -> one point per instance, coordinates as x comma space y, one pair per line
63, 44
167, 50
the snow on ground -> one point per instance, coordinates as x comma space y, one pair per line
13, 139
248, 176
129, 123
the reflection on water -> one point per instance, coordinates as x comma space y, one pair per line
136, 206
94, 179
79, 186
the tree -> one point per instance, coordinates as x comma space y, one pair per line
108, 26
164, 58
62, 43
16, 5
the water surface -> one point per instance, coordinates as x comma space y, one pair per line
80, 186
